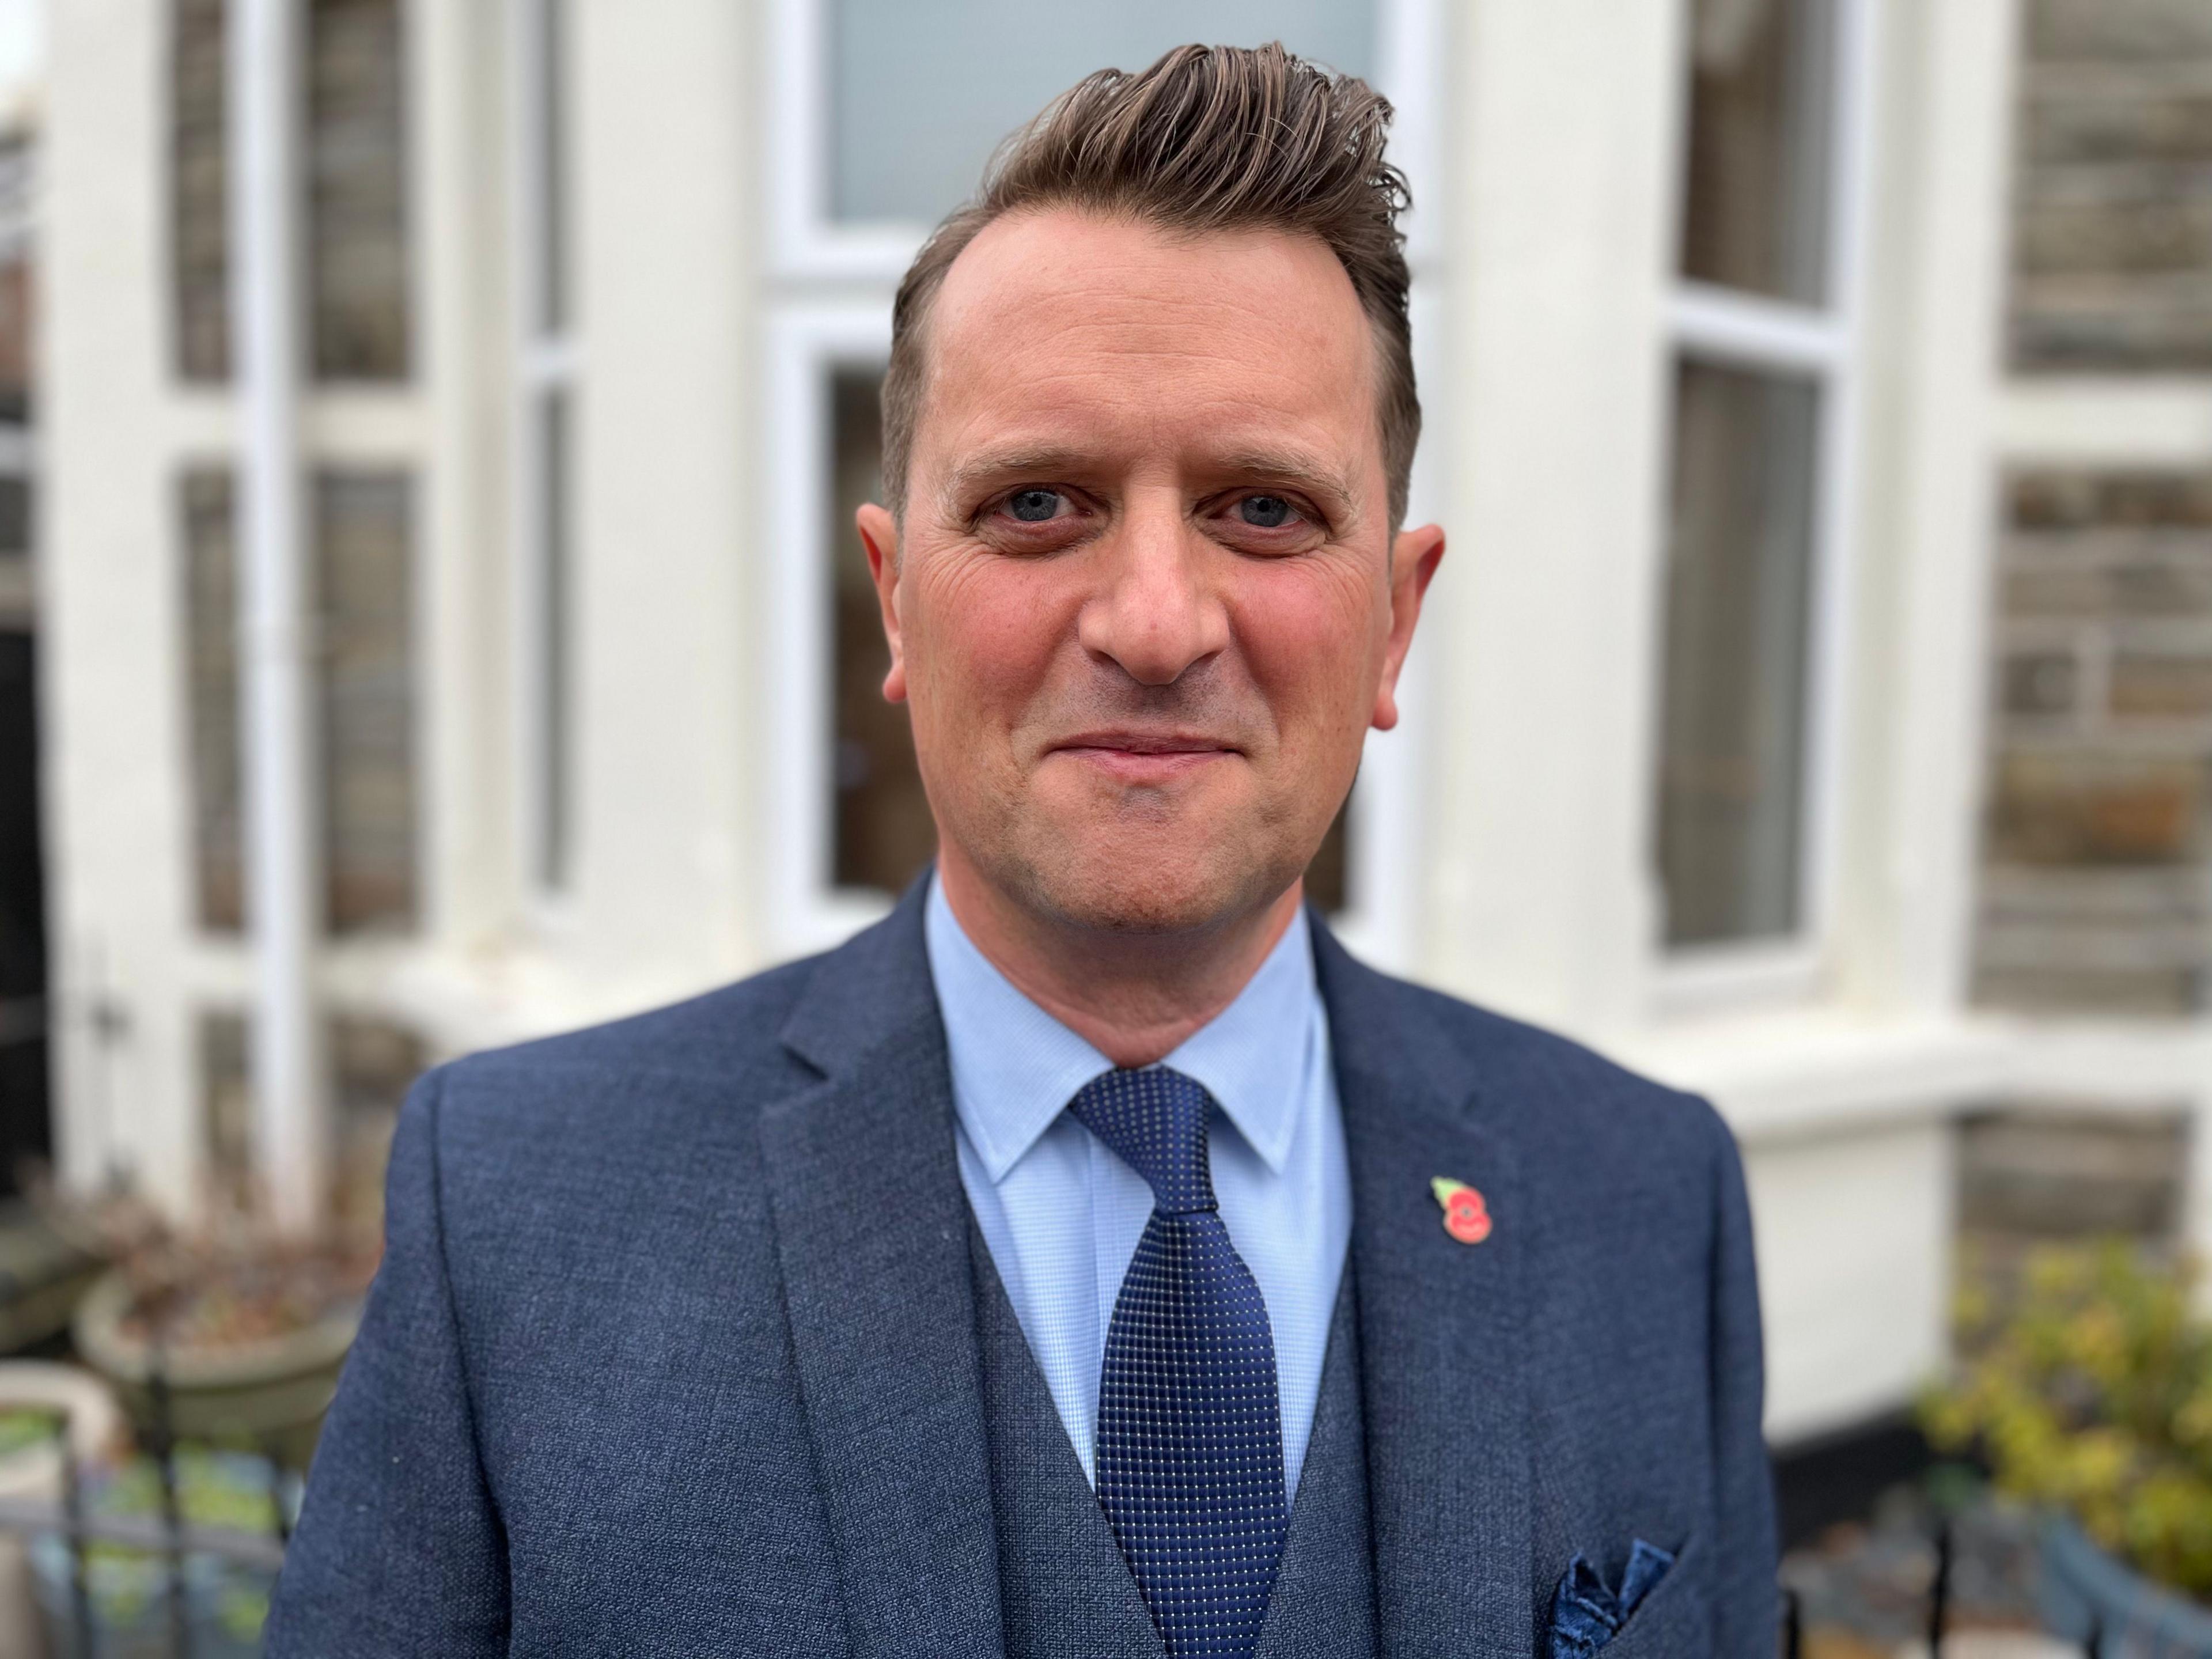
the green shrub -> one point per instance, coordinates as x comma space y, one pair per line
2091, 1392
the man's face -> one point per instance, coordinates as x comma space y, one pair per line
1147, 601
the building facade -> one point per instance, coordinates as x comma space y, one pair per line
1815, 472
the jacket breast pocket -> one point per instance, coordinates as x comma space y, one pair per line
1675, 1619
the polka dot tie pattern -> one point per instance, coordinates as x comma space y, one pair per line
1190, 1433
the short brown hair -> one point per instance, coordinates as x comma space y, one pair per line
1208, 138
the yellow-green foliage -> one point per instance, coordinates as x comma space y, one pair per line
2093, 1393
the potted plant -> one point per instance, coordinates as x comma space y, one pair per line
233, 1334
2088, 1391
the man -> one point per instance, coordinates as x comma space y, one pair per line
1091, 1258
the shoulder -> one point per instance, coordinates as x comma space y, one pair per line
1552, 1099
717, 1053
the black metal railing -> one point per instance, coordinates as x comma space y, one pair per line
167, 1536
2093, 1645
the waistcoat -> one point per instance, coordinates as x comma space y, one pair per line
1064, 1589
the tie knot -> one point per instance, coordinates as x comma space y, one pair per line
1154, 1121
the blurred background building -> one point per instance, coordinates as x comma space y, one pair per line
425, 490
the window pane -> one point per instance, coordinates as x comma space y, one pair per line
556, 590
548, 170
1329, 875
1731, 766
14, 517
18, 358
366, 598
357, 196
1756, 203
199, 260
884, 834
363, 554
354, 181
372, 1062
211, 696
903, 149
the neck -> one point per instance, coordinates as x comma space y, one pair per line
1133, 997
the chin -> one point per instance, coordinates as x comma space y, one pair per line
1151, 883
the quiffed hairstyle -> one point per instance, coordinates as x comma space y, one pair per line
1208, 138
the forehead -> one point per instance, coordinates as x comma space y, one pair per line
1073, 327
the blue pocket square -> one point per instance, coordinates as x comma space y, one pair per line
1587, 1613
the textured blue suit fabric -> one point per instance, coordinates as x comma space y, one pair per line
674, 1349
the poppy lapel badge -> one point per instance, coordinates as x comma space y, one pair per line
1466, 1217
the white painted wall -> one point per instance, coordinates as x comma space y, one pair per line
1853, 1230
118, 829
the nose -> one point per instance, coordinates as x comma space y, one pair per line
1154, 614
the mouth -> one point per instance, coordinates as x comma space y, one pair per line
1133, 756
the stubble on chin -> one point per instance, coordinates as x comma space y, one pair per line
1138, 872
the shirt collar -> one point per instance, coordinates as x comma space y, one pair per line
1015, 1068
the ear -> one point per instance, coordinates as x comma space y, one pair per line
879, 535
1414, 557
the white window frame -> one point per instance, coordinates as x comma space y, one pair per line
1822, 345
809, 337
548, 366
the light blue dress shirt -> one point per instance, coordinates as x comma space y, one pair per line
1062, 1215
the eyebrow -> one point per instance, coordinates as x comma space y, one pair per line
1300, 471
1043, 460
1265, 465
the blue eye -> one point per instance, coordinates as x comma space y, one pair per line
1265, 511
1033, 506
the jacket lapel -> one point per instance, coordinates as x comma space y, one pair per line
1441, 1329
871, 1228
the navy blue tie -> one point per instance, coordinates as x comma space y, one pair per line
1190, 1432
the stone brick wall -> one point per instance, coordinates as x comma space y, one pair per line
2097, 881
2097, 896
2112, 229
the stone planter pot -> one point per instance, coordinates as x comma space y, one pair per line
2087, 1591
272, 1392
43, 1276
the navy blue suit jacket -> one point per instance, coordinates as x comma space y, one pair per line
673, 1348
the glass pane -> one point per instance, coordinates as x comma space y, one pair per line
1756, 200
884, 834
199, 256
226, 1110
357, 188
373, 1062
551, 179
555, 580
18, 360
211, 697
1732, 762
1327, 877
366, 587
14, 517
903, 149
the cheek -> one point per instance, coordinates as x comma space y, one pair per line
1310, 631
981, 637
